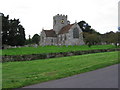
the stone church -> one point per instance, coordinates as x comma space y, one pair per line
63, 33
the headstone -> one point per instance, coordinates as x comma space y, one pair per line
35, 45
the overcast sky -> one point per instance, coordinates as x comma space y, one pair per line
34, 15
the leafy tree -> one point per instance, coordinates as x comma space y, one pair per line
118, 37
108, 37
20, 36
36, 39
92, 39
5, 28
12, 32
86, 27
111, 37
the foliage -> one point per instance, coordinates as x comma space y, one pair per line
86, 27
111, 37
92, 39
19, 74
36, 39
52, 49
13, 32
28, 41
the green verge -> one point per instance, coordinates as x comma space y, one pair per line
52, 49
19, 74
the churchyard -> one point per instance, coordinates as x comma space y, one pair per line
52, 49
22, 73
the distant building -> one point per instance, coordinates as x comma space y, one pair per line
63, 33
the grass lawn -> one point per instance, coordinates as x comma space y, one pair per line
52, 49
19, 74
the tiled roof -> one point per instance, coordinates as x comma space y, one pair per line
50, 33
65, 29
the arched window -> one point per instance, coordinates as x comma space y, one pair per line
42, 39
75, 33
65, 37
61, 38
51, 40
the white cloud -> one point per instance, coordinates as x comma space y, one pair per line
102, 15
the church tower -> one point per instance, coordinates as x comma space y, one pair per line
59, 21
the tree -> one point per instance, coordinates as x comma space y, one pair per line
111, 37
118, 35
5, 28
36, 39
86, 27
92, 39
13, 32
20, 37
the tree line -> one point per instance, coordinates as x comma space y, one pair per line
92, 37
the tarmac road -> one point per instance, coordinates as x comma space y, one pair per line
102, 78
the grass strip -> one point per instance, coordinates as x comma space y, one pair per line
51, 49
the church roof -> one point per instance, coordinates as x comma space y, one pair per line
50, 33
65, 29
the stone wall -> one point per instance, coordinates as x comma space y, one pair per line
8, 58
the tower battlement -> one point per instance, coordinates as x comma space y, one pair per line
60, 15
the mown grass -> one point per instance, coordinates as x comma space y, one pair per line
51, 49
19, 74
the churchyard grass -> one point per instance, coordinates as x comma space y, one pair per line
19, 74
51, 49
